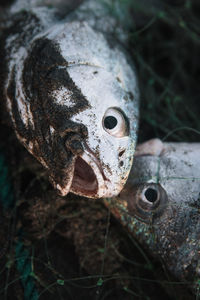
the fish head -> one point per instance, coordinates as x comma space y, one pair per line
160, 205
78, 107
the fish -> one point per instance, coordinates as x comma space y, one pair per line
71, 92
160, 205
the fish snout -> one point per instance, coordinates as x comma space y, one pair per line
74, 138
145, 201
74, 143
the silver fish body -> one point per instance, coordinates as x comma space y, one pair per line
160, 205
71, 93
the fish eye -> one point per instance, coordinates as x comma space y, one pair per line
115, 122
148, 201
150, 195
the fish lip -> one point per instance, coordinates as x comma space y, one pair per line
92, 155
94, 164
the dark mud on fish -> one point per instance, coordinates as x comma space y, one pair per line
79, 251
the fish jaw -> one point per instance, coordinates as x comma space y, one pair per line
63, 186
91, 179
86, 177
169, 226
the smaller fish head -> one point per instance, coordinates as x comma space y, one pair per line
160, 205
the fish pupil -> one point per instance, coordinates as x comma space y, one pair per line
110, 122
151, 195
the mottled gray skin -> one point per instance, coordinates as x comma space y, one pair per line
166, 221
62, 75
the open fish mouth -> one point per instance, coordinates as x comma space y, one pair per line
89, 179
84, 181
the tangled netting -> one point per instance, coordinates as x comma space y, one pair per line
22, 256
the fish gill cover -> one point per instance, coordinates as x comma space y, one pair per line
77, 249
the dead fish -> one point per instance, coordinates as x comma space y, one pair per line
71, 93
160, 205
